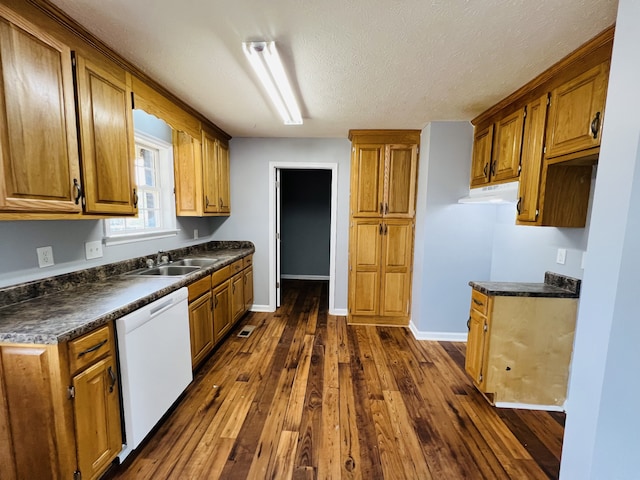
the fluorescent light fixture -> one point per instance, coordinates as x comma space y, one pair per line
265, 61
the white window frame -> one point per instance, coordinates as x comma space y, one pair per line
167, 197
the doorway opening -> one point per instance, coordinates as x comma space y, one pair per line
304, 258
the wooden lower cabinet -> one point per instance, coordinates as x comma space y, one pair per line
60, 408
381, 255
200, 320
519, 348
216, 303
222, 319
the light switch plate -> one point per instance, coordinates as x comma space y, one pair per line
561, 256
45, 256
93, 249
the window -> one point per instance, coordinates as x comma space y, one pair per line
156, 207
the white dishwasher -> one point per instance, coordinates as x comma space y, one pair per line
154, 350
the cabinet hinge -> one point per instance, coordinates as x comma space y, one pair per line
519, 169
278, 236
277, 284
77, 475
133, 101
544, 149
524, 114
353, 149
548, 99
485, 327
73, 59
480, 379
537, 213
277, 184
71, 392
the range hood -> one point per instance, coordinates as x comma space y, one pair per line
493, 194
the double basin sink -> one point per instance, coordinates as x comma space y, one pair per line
175, 269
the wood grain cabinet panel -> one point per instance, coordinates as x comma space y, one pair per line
237, 296
201, 328
532, 151
187, 165
481, 159
68, 412
576, 113
248, 288
38, 139
222, 319
383, 196
507, 145
107, 140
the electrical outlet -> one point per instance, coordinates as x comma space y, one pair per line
561, 256
93, 249
45, 256
195, 233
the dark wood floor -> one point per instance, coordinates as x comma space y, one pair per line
306, 397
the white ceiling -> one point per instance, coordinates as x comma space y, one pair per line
353, 63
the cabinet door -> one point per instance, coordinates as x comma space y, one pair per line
106, 133
221, 310
481, 162
397, 248
400, 172
39, 148
532, 152
187, 164
476, 346
248, 288
577, 112
97, 417
210, 173
367, 180
223, 173
200, 328
507, 144
237, 296
364, 256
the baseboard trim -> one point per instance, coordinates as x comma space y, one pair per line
304, 277
339, 312
262, 308
437, 336
527, 406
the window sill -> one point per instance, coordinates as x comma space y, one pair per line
138, 237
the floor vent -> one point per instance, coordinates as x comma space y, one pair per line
246, 331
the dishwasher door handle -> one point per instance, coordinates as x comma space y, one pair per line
158, 309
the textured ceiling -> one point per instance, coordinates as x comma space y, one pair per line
353, 63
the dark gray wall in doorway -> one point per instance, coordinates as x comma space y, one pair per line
305, 225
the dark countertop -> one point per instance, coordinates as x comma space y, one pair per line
61, 308
555, 286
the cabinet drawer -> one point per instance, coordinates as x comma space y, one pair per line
248, 261
87, 349
220, 276
479, 302
198, 288
235, 267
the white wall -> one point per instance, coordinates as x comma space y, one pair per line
453, 241
523, 254
601, 436
249, 219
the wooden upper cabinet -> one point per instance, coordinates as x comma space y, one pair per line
210, 173
106, 134
384, 180
507, 143
39, 148
401, 164
577, 112
367, 180
481, 162
532, 150
215, 160
187, 164
224, 180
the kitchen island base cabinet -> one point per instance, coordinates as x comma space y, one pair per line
519, 348
59, 408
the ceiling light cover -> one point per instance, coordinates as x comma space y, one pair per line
264, 58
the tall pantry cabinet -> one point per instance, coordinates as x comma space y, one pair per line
384, 166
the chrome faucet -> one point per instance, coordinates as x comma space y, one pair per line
163, 257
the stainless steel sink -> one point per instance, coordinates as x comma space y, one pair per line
167, 270
198, 262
